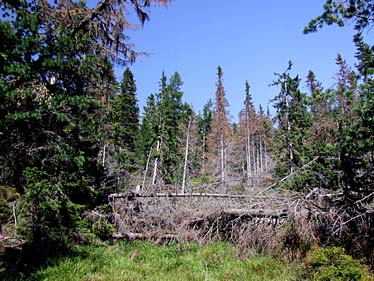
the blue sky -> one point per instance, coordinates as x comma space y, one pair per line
250, 39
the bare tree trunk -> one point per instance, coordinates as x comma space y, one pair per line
156, 163
290, 144
146, 167
254, 156
103, 161
258, 156
266, 158
261, 157
225, 162
246, 171
203, 156
248, 152
186, 156
248, 156
14, 214
222, 148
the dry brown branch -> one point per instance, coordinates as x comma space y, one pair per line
276, 221
299, 170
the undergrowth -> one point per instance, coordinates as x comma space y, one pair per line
332, 263
215, 261
144, 261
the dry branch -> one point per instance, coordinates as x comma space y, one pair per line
301, 169
267, 220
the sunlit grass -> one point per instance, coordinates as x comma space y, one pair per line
144, 261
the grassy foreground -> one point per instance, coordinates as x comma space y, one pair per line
144, 261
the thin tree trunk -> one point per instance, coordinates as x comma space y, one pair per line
261, 157
203, 163
254, 156
146, 167
14, 214
290, 144
258, 156
248, 156
266, 158
186, 157
248, 152
103, 161
156, 163
222, 158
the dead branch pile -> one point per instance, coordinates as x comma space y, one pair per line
276, 222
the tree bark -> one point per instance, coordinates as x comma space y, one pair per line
254, 156
266, 158
290, 144
261, 156
146, 167
186, 157
222, 148
155, 165
103, 160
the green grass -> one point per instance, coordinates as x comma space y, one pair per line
210, 262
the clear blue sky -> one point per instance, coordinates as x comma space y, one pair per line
250, 40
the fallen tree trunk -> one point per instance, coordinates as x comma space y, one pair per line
256, 213
133, 236
219, 195
239, 215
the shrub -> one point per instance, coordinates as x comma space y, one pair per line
103, 229
332, 263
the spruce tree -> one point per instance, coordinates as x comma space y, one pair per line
249, 132
346, 88
55, 75
124, 118
160, 132
355, 134
353, 145
220, 132
49, 124
323, 133
171, 108
293, 122
205, 124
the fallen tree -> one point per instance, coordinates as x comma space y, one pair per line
272, 221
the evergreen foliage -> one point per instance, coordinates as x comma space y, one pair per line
351, 141
124, 120
205, 125
160, 129
294, 122
332, 263
56, 83
361, 12
49, 124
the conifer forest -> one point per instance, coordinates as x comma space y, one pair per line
81, 163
